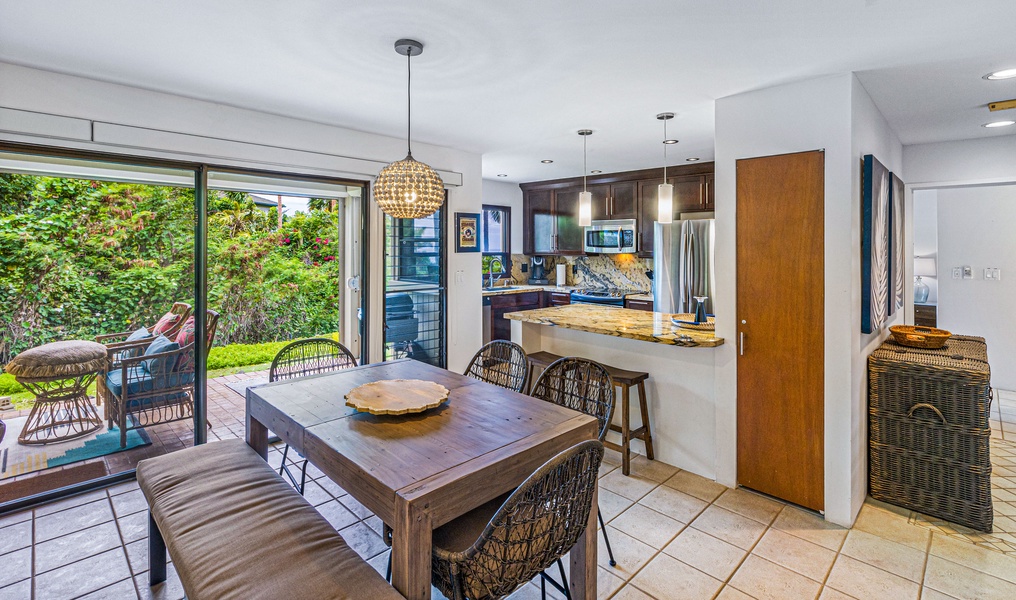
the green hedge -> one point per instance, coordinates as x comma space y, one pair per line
242, 355
8, 385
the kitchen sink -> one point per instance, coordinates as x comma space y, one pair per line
501, 288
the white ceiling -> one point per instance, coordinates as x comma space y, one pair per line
515, 79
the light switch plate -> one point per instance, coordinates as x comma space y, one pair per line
957, 272
992, 274
968, 272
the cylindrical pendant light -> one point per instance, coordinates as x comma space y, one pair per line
585, 198
665, 193
409, 189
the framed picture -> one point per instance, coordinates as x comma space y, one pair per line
876, 297
897, 216
467, 226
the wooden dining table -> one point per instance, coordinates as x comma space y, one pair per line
419, 471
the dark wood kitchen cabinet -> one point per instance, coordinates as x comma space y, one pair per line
556, 298
550, 223
550, 208
500, 327
615, 201
689, 196
638, 304
925, 315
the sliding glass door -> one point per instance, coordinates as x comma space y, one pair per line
415, 288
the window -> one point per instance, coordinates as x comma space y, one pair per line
495, 238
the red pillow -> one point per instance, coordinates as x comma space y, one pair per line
166, 323
183, 338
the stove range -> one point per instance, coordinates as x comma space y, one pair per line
603, 296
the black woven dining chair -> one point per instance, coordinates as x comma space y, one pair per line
500, 363
299, 359
493, 550
586, 386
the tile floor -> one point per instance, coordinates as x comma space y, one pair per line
674, 535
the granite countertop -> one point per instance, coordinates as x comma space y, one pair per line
522, 289
618, 322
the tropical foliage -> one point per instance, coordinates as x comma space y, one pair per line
79, 258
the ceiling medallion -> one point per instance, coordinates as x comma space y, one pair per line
408, 188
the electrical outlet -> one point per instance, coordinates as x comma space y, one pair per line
957, 272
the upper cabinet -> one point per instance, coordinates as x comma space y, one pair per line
550, 208
615, 201
690, 195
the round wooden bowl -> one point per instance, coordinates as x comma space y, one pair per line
397, 396
919, 337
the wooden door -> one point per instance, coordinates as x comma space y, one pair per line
569, 236
780, 317
622, 200
538, 222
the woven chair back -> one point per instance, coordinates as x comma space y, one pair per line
579, 384
540, 522
309, 357
500, 363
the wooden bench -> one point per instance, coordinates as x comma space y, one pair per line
235, 529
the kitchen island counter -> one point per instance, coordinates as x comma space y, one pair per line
618, 322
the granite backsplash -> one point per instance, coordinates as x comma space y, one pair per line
625, 271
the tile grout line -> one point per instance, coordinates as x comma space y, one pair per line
31, 584
123, 544
726, 582
839, 551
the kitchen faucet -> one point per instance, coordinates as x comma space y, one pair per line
490, 269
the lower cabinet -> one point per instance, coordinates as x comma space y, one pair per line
556, 298
639, 305
925, 315
500, 327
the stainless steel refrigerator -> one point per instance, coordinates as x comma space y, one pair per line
683, 263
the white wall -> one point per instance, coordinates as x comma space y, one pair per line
925, 215
503, 193
835, 114
114, 118
975, 228
965, 162
870, 134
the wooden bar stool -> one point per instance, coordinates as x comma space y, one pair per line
625, 380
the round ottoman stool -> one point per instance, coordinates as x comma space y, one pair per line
59, 374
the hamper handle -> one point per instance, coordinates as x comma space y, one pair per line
925, 405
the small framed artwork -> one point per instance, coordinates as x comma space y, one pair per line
467, 226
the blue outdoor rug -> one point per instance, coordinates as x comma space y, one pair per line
17, 459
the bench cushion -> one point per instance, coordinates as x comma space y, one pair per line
235, 529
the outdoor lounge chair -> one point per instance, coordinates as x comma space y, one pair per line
172, 321
156, 386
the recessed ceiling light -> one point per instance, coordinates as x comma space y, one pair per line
669, 141
595, 172
693, 159
999, 124
502, 175
546, 161
1004, 74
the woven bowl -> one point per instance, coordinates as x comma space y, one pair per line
919, 337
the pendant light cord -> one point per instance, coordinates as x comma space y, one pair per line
409, 103
584, 162
665, 151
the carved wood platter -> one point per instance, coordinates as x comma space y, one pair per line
397, 396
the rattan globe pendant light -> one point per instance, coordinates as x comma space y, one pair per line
409, 189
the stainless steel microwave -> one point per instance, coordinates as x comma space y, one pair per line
611, 237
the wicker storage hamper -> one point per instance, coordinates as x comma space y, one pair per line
928, 429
